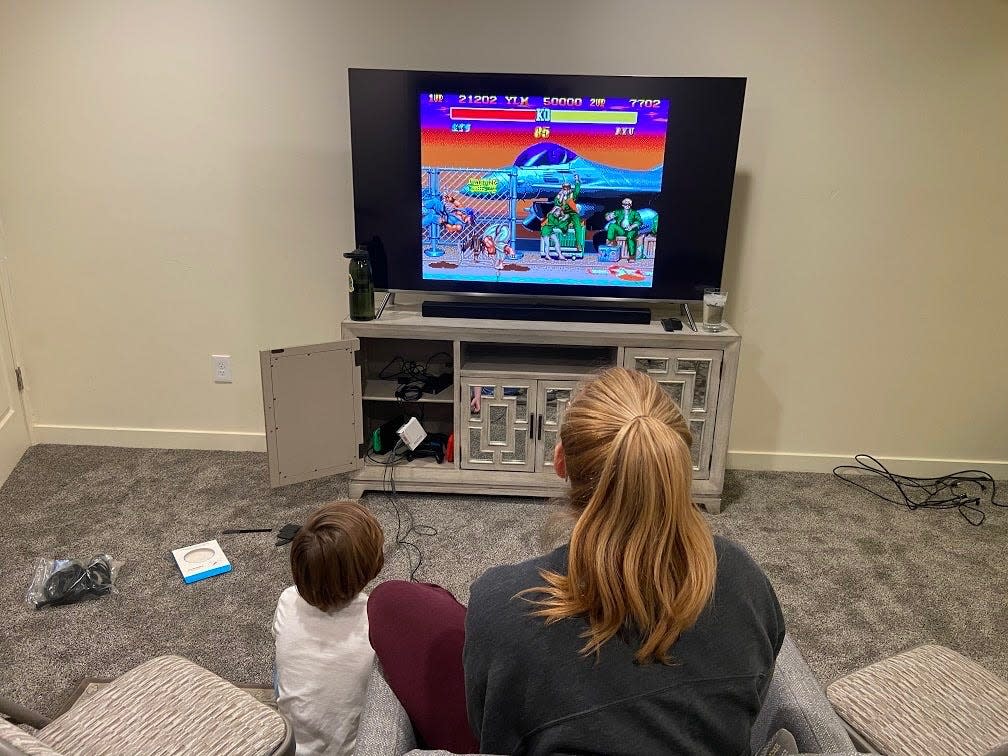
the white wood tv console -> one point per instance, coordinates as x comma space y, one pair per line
511, 381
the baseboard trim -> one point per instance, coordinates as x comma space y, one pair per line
149, 438
188, 438
917, 466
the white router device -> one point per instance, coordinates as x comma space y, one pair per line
412, 433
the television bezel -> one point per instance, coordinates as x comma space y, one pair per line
398, 93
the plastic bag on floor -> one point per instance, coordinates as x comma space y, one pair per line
65, 581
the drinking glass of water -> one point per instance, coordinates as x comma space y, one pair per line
714, 301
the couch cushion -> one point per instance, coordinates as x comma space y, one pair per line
168, 706
929, 701
795, 701
14, 740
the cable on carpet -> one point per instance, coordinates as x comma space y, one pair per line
406, 526
964, 490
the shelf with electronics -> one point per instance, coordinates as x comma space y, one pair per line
506, 387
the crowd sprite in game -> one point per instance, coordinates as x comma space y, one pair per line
562, 218
625, 222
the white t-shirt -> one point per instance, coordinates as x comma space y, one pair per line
323, 660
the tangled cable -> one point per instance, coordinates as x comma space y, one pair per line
927, 493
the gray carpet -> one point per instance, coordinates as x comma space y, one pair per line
858, 579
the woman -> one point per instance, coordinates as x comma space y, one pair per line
644, 634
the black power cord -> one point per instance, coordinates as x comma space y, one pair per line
406, 526
964, 490
414, 377
73, 581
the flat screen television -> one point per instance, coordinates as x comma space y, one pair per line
564, 186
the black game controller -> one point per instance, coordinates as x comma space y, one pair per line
671, 324
432, 446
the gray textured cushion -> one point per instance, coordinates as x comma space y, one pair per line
384, 725
795, 702
14, 740
168, 706
929, 701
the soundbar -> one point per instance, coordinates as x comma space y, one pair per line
557, 313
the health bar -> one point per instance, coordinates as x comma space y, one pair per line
492, 114
617, 117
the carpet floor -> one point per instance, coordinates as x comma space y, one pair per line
858, 579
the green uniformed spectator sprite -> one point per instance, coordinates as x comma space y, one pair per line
562, 218
627, 222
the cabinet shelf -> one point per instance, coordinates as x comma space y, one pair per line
538, 359
380, 390
401, 465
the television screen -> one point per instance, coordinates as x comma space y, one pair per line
540, 190
531, 184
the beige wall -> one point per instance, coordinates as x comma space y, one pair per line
174, 182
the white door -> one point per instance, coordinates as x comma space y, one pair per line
14, 438
312, 406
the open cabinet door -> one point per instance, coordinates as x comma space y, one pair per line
312, 403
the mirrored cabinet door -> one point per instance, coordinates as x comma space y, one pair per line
497, 427
691, 378
552, 400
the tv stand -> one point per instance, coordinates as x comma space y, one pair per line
511, 381
548, 312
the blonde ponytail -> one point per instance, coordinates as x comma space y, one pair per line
641, 555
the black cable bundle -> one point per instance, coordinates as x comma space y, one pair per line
412, 376
404, 517
74, 581
964, 490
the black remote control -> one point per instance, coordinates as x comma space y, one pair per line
671, 324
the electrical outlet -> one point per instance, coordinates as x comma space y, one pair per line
221, 364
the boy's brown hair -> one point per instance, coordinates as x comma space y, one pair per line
336, 553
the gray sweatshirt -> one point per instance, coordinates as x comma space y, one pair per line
530, 691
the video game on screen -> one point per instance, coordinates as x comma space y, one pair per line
541, 190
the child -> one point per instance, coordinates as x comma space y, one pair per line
323, 656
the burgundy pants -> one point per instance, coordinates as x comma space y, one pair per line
417, 631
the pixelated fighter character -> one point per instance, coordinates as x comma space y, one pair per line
433, 209
457, 216
625, 222
444, 210
497, 243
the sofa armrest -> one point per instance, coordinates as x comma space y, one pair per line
796, 702
384, 729
16, 742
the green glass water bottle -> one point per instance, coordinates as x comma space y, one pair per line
361, 285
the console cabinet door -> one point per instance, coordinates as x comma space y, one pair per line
312, 406
497, 416
691, 377
552, 398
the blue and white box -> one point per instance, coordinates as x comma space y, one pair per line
201, 561
608, 253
